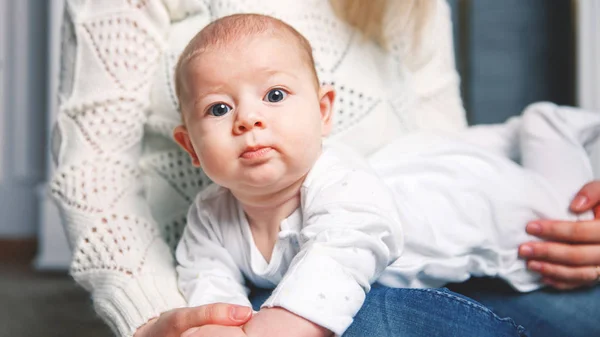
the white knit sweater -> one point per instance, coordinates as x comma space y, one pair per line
122, 185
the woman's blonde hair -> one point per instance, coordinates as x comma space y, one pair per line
379, 19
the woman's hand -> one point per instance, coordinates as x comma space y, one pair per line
177, 321
569, 257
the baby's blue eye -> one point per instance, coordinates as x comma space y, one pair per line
219, 109
275, 95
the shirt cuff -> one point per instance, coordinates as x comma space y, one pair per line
321, 290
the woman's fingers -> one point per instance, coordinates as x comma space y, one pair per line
561, 253
566, 231
186, 321
179, 320
570, 256
587, 198
217, 313
563, 275
561, 285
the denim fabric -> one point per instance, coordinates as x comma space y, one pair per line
545, 313
389, 312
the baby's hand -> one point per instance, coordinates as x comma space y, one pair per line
214, 331
275, 322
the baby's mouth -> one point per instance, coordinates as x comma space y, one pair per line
252, 152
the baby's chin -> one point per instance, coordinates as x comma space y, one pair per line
265, 181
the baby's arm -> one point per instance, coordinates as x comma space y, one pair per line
208, 274
274, 322
351, 235
206, 270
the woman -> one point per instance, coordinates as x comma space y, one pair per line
124, 189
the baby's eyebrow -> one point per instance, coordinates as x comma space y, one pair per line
198, 101
207, 91
277, 72
212, 89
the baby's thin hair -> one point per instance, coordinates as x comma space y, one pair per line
232, 28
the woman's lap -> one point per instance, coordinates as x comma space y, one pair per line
545, 313
421, 312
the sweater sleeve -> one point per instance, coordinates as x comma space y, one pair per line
351, 234
207, 271
435, 78
110, 50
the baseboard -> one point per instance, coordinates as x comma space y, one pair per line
18, 250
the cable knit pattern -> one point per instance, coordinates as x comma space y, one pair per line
123, 186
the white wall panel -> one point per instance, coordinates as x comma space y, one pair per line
588, 42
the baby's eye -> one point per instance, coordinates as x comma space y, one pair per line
219, 109
275, 95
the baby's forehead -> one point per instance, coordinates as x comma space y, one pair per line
228, 35
240, 44
231, 31
239, 26
262, 49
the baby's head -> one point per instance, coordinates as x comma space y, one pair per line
227, 32
252, 110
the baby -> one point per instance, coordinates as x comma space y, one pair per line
314, 221
284, 211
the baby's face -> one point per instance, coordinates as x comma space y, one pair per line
253, 113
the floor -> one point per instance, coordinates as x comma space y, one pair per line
44, 305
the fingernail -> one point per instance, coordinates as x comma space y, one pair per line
579, 202
533, 265
526, 251
534, 228
240, 313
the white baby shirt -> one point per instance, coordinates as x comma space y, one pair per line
329, 251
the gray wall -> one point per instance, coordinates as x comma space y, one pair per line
513, 52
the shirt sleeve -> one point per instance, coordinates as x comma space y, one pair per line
351, 235
110, 51
206, 271
435, 78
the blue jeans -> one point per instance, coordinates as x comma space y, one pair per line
545, 313
389, 312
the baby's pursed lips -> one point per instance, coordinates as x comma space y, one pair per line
254, 148
255, 151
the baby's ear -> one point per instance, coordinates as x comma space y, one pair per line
182, 137
326, 99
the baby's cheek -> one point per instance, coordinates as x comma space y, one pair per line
213, 158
